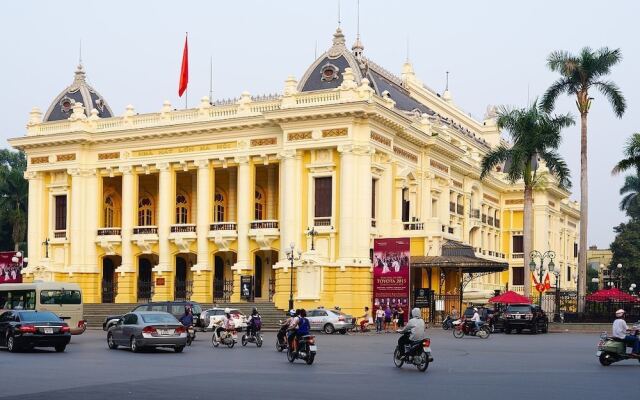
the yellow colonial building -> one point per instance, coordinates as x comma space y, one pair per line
185, 203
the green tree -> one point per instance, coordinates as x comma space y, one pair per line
578, 75
631, 192
626, 251
535, 135
631, 156
14, 191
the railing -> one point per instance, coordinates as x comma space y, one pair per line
265, 224
490, 220
517, 288
491, 252
183, 228
318, 98
474, 213
413, 226
460, 209
109, 232
516, 256
484, 218
60, 234
145, 230
373, 223
322, 221
223, 226
452, 206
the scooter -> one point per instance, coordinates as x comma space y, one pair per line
282, 345
191, 335
306, 349
447, 323
417, 353
611, 349
462, 328
224, 337
252, 336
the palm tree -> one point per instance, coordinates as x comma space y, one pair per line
535, 136
631, 192
632, 155
580, 73
13, 194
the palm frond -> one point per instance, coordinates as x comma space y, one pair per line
632, 155
613, 93
603, 59
562, 61
492, 159
557, 88
558, 168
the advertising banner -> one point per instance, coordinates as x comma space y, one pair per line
9, 271
391, 275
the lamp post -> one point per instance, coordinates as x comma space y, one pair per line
291, 256
19, 259
550, 267
619, 267
312, 233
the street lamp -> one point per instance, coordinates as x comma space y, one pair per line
632, 288
18, 258
550, 267
619, 266
291, 256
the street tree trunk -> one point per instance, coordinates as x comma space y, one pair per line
528, 238
584, 213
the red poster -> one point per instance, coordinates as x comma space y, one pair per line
391, 275
9, 271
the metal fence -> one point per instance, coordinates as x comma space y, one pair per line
565, 306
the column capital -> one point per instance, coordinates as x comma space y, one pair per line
163, 166
287, 154
202, 164
29, 175
241, 159
74, 172
125, 169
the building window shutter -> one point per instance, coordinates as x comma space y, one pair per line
518, 276
61, 213
323, 197
518, 244
373, 198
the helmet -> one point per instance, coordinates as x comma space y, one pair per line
227, 310
620, 313
475, 309
292, 312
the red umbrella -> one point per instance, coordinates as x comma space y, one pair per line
613, 294
510, 297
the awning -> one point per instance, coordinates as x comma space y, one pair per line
458, 256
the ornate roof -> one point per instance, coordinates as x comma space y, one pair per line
326, 73
78, 92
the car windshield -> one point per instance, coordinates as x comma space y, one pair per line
60, 297
42, 316
519, 309
159, 319
196, 309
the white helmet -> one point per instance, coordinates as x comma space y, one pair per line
475, 309
292, 312
620, 313
227, 310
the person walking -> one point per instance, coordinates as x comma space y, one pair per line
400, 317
379, 319
387, 318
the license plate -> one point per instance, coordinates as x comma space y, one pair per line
313, 348
48, 330
598, 353
165, 332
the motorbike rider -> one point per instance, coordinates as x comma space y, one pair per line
187, 318
416, 328
366, 319
302, 328
254, 322
285, 325
227, 322
293, 326
476, 318
621, 331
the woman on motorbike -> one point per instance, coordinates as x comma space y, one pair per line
282, 332
253, 325
227, 323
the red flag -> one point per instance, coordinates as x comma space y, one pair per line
184, 71
547, 282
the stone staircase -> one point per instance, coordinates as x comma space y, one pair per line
96, 313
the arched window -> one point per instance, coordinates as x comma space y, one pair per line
145, 212
219, 207
259, 205
182, 211
109, 212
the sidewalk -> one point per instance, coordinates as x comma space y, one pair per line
556, 327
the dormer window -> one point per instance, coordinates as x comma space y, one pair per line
66, 104
99, 104
329, 72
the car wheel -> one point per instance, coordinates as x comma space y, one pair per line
178, 349
60, 348
545, 329
110, 342
11, 344
343, 331
133, 344
328, 329
507, 330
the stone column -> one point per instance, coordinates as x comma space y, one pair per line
167, 201
245, 197
127, 272
204, 214
231, 201
35, 234
75, 231
362, 208
92, 216
348, 204
271, 182
288, 190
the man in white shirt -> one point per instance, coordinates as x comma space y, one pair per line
476, 318
620, 330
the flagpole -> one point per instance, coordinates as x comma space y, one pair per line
186, 93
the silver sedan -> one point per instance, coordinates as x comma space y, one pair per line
147, 329
329, 321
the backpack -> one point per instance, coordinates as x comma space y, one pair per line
257, 322
303, 326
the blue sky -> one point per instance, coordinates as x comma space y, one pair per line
495, 52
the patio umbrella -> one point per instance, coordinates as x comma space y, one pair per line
510, 297
613, 294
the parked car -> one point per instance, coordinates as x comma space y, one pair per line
24, 330
147, 329
329, 321
525, 316
214, 315
175, 308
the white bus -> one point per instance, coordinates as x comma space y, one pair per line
63, 299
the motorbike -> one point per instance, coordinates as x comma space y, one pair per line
191, 335
282, 345
611, 349
252, 336
224, 337
306, 349
462, 328
417, 353
447, 323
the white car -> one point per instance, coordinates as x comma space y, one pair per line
212, 316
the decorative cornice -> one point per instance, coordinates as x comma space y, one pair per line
334, 132
66, 157
40, 160
109, 156
490, 198
439, 166
293, 136
405, 154
510, 202
376, 137
264, 142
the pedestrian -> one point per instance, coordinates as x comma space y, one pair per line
400, 317
394, 318
379, 318
387, 318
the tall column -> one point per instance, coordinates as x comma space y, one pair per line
75, 233
362, 213
288, 191
126, 271
245, 197
92, 216
384, 197
204, 214
34, 228
271, 183
231, 201
166, 204
348, 203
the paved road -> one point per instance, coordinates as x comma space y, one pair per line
516, 366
